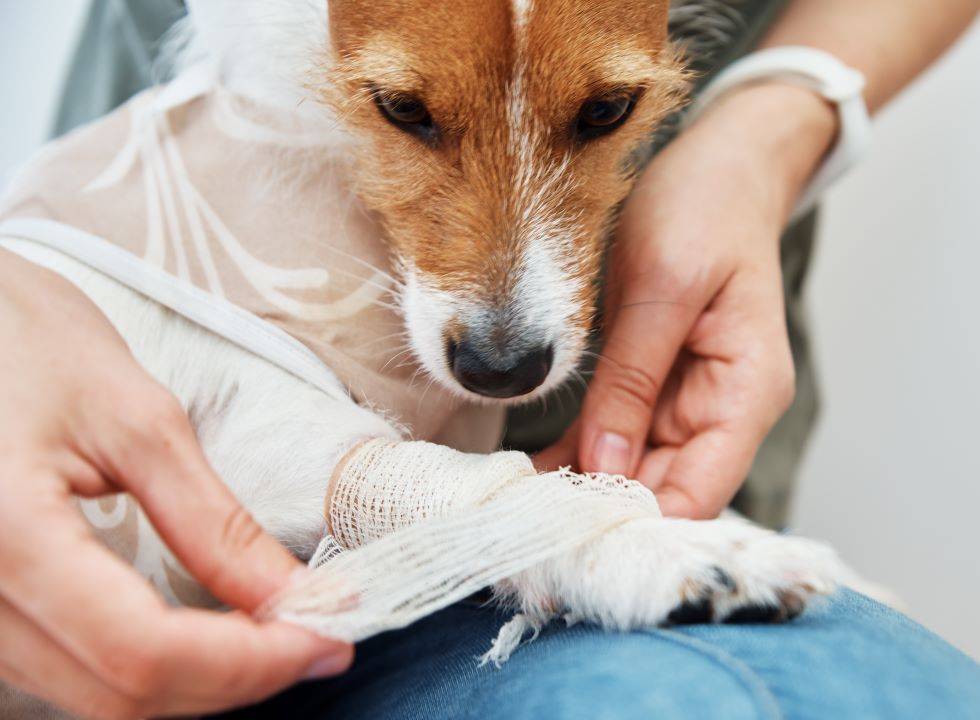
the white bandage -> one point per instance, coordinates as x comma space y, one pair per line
389, 486
416, 527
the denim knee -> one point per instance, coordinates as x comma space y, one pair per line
575, 673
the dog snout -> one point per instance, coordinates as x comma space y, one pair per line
497, 375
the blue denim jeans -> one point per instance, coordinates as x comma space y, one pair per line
852, 658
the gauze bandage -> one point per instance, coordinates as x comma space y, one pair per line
416, 527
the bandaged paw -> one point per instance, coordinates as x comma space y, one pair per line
657, 571
416, 526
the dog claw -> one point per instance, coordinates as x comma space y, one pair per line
790, 606
793, 605
755, 614
692, 612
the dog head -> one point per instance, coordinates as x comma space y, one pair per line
494, 140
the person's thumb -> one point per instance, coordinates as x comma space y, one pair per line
641, 346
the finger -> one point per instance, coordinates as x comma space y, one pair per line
219, 667
159, 460
705, 473
654, 465
639, 351
671, 427
130, 639
219, 661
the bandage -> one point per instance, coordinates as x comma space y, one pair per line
416, 527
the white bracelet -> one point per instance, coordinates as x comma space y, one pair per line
825, 75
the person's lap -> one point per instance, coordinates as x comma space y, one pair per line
852, 658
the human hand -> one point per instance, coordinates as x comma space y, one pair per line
79, 417
696, 365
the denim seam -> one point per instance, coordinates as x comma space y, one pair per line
766, 702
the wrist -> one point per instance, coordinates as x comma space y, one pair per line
784, 129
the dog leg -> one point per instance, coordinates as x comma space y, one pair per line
419, 526
273, 438
654, 572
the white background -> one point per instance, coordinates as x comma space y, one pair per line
893, 476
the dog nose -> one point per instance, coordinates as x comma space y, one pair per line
498, 379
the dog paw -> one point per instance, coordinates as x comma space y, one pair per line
673, 572
756, 583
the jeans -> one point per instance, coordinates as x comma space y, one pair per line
851, 658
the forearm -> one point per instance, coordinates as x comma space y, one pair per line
890, 42
787, 129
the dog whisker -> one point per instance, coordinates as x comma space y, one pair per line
364, 263
392, 359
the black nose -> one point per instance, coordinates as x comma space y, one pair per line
496, 378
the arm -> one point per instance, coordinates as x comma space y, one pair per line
79, 417
889, 42
696, 366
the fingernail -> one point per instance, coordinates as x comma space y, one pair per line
612, 454
330, 665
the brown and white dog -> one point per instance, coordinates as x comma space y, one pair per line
494, 140
514, 125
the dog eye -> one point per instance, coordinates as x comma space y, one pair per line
404, 110
406, 113
601, 116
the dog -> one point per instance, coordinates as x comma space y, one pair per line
492, 142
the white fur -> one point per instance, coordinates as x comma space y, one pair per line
546, 297
634, 576
518, 118
267, 50
522, 11
427, 310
